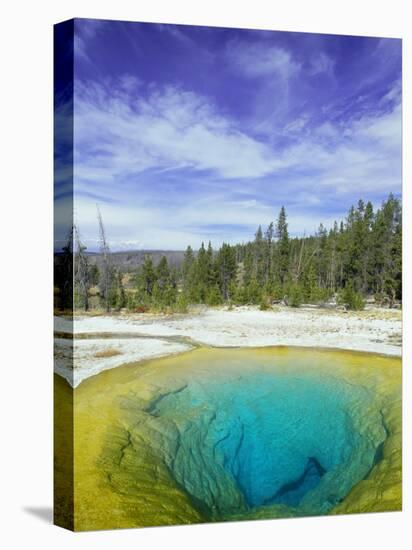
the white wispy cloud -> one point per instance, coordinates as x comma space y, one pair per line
84, 31
121, 137
172, 128
322, 63
258, 60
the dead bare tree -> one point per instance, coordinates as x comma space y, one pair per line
81, 271
106, 270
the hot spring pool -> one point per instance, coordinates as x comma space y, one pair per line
214, 435
276, 437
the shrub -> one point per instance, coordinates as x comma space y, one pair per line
213, 297
295, 297
181, 305
253, 292
240, 297
351, 299
264, 303
278, 292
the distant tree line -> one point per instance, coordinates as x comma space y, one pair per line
358, 257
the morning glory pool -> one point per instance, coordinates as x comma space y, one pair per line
222, 434
276, 437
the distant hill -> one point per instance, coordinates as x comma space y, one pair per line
131, 259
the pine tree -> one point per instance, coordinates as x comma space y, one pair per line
226, 264
201, 274
321, 256
121, 294
282, 236
388, 249
269, 236
94, 275
310, 286
165, 287
259, 256
148, 275
211, 277
188, 271
163, 273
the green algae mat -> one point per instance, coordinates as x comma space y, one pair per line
230, 434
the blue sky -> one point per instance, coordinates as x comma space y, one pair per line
184, 134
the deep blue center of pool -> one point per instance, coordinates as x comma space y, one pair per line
264, 439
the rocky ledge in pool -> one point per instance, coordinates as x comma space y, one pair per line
217, 435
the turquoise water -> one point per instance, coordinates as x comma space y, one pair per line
266, 439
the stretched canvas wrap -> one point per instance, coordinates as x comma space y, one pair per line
228, 247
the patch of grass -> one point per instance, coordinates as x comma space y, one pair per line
110, 352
